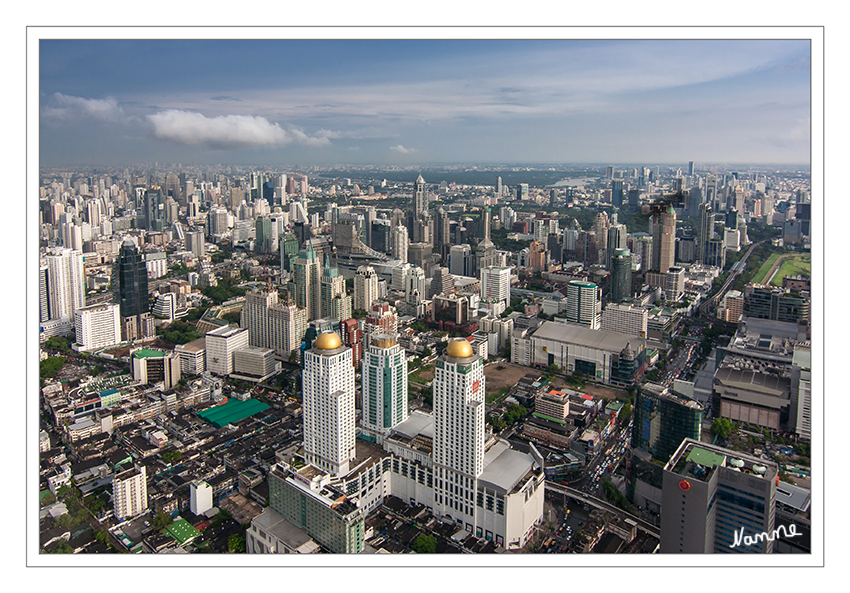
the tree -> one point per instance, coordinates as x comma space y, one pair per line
236, 543
722, 427
425, 544
161, 521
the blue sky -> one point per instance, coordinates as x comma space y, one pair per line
408, 102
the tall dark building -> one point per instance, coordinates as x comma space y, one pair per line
131, 281
663, 420
618, 193
621, 275
153, 210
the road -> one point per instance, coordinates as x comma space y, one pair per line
705, 308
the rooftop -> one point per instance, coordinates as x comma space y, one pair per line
592, 338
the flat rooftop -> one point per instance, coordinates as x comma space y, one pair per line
591, 338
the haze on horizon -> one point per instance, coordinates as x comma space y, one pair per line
386, 103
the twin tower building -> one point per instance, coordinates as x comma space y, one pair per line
445, 461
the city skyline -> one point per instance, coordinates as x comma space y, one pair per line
402, 102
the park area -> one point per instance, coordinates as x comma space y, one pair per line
779, 266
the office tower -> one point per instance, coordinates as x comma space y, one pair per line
675, 283
217, 220
420, 197
381, 235
498, 187
715, 253
663, 240
621, 276
522, 191
155, 366
43, 293
352, 336
691, 168
255, 317
537, 256
705, 231
779, 304
442, 231
414, 286
442, 281
236, 198
626, 319
618, 193
334, 302
266, 235
496, 284
130, 493
153, 217
459, 259
384, 385
97, 326
458, 446
328, 403
193, 357
617, 239
130, 281
65, 283
712, 197
195, 243
288, 251
200, 497
663, 420
714, 497
583, 301
306, 278
221, 343
399, 243
365, 288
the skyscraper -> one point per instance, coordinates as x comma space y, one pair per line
400, 243
621, 276
663, 240
583, 304
458, 431
663, 420
384, 385
306, 278
496, 284
130, 280
328, 403
65, 283
334, 303
365, 288
420, 197
705, 231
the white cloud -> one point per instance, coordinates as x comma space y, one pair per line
402, 149
70, 107
225, 131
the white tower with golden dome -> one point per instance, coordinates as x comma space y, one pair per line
328, 388
458, 431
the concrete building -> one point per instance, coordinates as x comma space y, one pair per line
365, 288
663, 420
663, 241
200, 497
193, 357
606, 357
130, 493
496, 284
155, 366
384, 391
584, 302
625, 319
221, 343
328, 401
713, 498
97, 326
65, 283
254, 364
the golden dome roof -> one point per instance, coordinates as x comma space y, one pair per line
327, 341
459, 348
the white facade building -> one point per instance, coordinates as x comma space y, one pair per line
200, 497
66, 283
97, 326
365, 288
328, 404
496, 284
221, 343
625, 319
130, 493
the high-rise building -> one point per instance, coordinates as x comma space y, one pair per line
537, 255
621, 276
130, 493
153, 210
156, 366
460, 258
663, 420
273, 323
779, 304
97, 326
617, 239
715, 500
65, 283
195, 243
365, 288
400, 243
663, 240
414, 286
420, 197
334, 302
221, 343
352, 336
705, 231
583, 304
617, 192
496, 284
626, 319
328, 403
306, 282
384, 389
458, 446
130, 279
382, 318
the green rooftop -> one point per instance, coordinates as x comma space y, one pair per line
232, 411
148, 353
182, 531
705, 458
